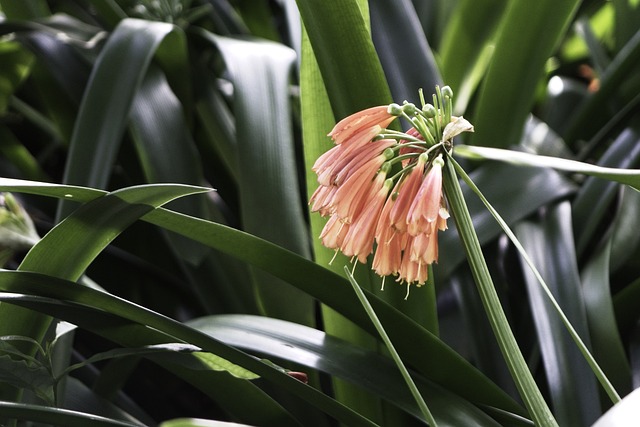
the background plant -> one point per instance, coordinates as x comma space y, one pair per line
124, 106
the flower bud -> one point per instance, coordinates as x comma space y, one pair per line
429, 111
394, 109
409, 108
447, 92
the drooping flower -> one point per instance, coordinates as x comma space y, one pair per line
382, 189
361, 127
425, 208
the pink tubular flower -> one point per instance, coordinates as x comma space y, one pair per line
425, 208
361, 127
359, 240
333, 233
406, 194
382, 189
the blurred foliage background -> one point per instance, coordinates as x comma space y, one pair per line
113, 103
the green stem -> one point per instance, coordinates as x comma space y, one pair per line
597, 370
525, 383
394, 354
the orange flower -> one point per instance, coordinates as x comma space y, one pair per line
397, 218
361, 127
406, 195
359, 240
425, 208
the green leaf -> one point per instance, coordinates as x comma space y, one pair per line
317, 121
629, 177
527, 387
593, 202
116, 319
590, 115
549, 244
159, 351
68, 249
15, 63
27, 374
470, 29
521, 191
106, 103
196, 422
57, 416
396, 30
267, 177
527, 36
80, 398
25, 9
607, 343
451, 372
342, 23
317, 350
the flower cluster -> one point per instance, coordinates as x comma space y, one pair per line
382, 188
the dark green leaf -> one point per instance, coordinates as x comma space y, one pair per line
572, 385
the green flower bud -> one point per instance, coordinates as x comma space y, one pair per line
394, 109
429, 111
447, 92
409, 108
388, 153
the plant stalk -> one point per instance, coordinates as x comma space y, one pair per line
527, 387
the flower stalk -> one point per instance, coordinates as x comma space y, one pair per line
526, 385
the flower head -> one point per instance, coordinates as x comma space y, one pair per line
382, 189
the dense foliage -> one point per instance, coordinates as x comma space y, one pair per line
132, 294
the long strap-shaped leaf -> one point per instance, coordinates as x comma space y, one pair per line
268, 176
527, 35
332, 290
57, 416
118, 310
352, 73
68, 249
103, 114
417, 346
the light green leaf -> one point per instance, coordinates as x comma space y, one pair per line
629, 177
527, 36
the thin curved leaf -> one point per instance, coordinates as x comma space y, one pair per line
452, 372
68, 249
57, 416
629, 177
607, 344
